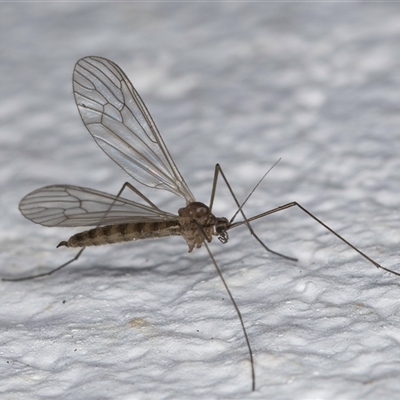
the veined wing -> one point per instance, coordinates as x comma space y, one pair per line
64, 205
121, 125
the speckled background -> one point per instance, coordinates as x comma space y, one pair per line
317, 85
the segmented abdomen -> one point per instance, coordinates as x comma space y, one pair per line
122, 233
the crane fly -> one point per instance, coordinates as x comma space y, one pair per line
119, 122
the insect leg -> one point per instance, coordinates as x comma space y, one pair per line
253, 378
293, 204
218, 170
138, 192
45, 273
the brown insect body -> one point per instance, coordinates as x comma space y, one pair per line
198, 223
122, 233
194, 223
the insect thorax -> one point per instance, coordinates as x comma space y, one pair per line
199, 224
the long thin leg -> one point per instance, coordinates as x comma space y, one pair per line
253, 379
293, 204
46, 273
124, 186
138, 192
218, 170
253, 376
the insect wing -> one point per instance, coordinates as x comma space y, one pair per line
69, 206
121, 125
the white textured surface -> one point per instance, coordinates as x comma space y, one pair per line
239, 84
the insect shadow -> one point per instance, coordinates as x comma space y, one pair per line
119, 122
